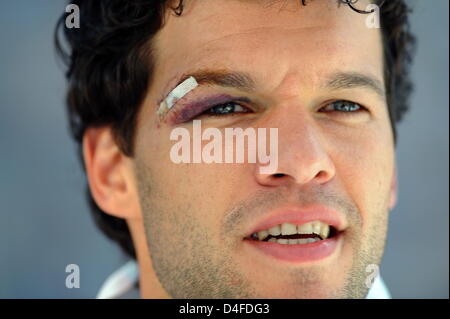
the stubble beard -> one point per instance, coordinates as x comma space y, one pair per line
190, 265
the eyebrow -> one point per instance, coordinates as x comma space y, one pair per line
243, 81
350, 80
225, 78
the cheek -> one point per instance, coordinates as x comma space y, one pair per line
197, 191
365, 166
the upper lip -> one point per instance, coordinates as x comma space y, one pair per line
300, 215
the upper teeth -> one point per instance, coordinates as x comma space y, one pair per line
315, 227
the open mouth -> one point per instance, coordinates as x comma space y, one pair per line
291, 234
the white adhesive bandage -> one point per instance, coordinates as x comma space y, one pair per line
177, 93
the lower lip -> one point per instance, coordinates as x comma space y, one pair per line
298, 252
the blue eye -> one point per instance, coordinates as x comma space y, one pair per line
227, 108
342, 106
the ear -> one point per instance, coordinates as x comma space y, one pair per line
394, 189
110, 174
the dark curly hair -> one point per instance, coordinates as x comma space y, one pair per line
110, 66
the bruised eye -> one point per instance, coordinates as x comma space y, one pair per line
226, 108
343, 106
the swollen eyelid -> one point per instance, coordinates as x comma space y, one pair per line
187, 111
181, 114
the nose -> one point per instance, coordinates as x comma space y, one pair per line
302, 155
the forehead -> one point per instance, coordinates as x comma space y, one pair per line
269, 39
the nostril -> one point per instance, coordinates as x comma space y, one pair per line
278, 175
322, 175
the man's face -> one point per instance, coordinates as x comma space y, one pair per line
334, 165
